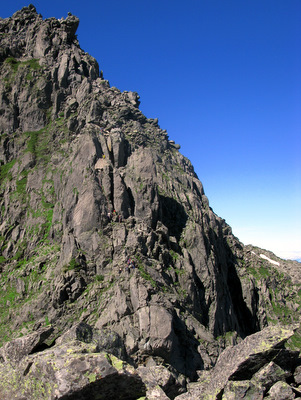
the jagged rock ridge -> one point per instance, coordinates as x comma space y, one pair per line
88, 181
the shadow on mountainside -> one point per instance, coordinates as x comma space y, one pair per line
237, 301
173, 216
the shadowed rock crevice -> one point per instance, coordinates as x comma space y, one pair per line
131, 201
186, 351
201, 309
248, 322
173, 215
112, 387
111, 175
41, 347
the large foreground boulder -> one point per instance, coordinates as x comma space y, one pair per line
14, 351
82, 366
249, 369
73, 369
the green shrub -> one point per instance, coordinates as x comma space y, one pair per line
145, 275
5, 171
73, 265
33, 140
13, 63
21, 186
38, 143
33, 63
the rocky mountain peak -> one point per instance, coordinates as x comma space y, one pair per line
108, 241
26, 34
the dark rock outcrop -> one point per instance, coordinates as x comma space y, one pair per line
249, 369
106, 232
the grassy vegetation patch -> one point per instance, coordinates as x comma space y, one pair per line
174, 255
33, 63
38, 144
294, 342
264, 272
2, 259
21, 187
260, 272
283, 312
33, 140
8, 295
73, 265
28, 66
13, 63
5, 173
12, 301
145, 275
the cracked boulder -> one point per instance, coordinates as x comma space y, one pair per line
231, 377
70, 370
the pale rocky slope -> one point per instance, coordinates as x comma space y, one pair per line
73, 149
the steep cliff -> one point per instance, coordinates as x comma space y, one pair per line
104, 222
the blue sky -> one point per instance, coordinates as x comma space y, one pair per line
223, 77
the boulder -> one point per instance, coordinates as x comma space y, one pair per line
268, 375
241, 362
239, 390
72, 370
160, 381
281, 391
297, 375
103, 339
13, 352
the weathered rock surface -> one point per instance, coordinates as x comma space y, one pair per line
17, 349
82, 365
249, 369
71, 370
104, 223
281, 391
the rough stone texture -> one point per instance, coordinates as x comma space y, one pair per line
77, 367
160, 381
281, 391
87, 183
297, 375
268, 375
238, 390
71, 371
104, 340
245, 364
14, 351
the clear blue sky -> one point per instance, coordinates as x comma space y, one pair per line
223, 77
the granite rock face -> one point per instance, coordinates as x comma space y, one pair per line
70, 370
104, 222
79, 367
249, 369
